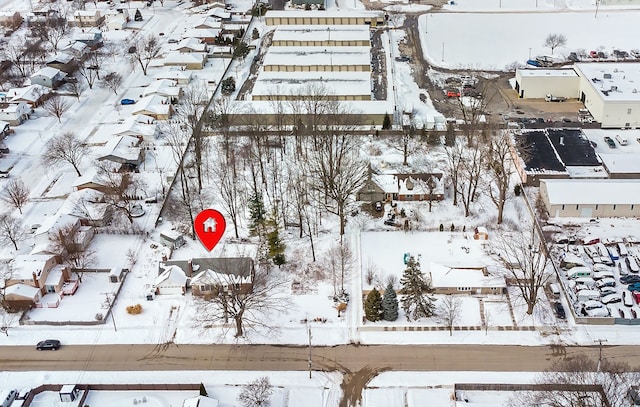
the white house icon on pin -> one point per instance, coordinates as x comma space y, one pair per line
210, 225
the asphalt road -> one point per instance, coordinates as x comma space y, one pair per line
345, 358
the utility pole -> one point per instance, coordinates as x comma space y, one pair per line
597, 6
309, 334
599, 341
110, 303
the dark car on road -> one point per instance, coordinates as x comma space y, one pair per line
630, 279
127, 102
610, 142
48, 344
559, 309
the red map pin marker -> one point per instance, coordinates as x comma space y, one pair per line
209, 226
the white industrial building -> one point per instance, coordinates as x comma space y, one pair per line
588, 198
610, 91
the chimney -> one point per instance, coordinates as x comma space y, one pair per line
190, 268
35, 280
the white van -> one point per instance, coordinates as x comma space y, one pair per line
577, 272
599, 275
555, 290
632, 264
622, 140
581, 282
588, 295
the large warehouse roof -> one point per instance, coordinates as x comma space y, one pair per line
321, 33
301, 83
614, 81
592, 191
323, 56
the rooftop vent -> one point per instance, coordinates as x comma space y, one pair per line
634, 90
614, 88
607, 76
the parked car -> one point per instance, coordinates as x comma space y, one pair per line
627, 298
606, 290
595, 309
127, 102
634, 287
606, 282
452, 93
599, 275
611, 299
379, 206
559, 310
48, 344
610, 142
172, 41
635, 53
4, 174
602, 55
630, 279
573, 57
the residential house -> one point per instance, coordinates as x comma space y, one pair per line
172, 239
90, 180
10, 19
14, 113
92, 38
191, 45
138, 125
89, 206
33, 95
154, 106
220, 51
175, 73
116, 19
52, 224
402, 187
235, 28
191, 60
206, 22
63, 61
21, 296
220, 13
206, 35
473, 280
171, 281
210, 275
124, 150
88, 18
76, 48
49, 77
164, 87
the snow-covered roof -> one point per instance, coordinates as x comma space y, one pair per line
61, 57
301, 83
87, 13
54, 276
325, 13
54, 222
25, 265
200, 401
49, 72
138, 124
212, 277
191, 43
323, 56
613, 81
184, 58
173, 72
153, 103
219, 12
202, 32
548, 72
173, 275
22, 290
391, 183
125, 147
29, 93
207, 21
88, 176
444, 277
592, 191
322, 33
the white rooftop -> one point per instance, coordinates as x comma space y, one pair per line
614, 81
548, 72
325, 13
301, 83
593, 191
321, 33
446, 277
125, 147
326, 56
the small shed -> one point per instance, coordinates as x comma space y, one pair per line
116, 275
481, 233
172, 239
69, 393
171, 281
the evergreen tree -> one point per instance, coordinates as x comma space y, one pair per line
228, 85
256, 212
416, 302
255, 34
203, 390
390, 304
386, 122
373, 306
138, 15
276, 246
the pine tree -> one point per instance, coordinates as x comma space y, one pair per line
386, 122
373, 306
276, 246
416, 302
390, 304
256, 212
138, 15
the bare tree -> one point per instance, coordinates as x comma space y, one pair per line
453, 163
6, 275
121, 189
11, 230
51, 30
75, 87
554, 41
501, 170
65, 148
256, 393
191, 108
16, 194
246, 309
231, 192
56, 106
449, 311
469, 173
89, 67
338, 171
146, 49
66, 242
406, 144
113, 81
524, 261
341, 261
576, 381
20, 55
7, 319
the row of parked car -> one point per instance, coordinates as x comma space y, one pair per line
617, 54
13, 398
597, 275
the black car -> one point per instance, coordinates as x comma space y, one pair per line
630, 279
559, 309
48, 344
